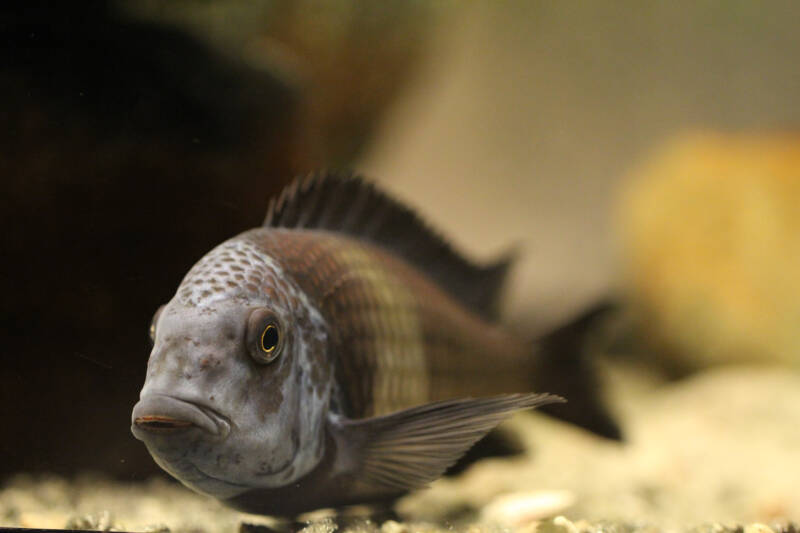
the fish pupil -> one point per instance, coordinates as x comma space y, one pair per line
269, 339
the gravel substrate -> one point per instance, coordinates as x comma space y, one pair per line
715, 453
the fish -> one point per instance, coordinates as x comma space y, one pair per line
342, 353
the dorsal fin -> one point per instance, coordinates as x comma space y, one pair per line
349, 205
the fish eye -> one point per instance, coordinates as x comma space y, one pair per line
154, 323
269, 339
265, 336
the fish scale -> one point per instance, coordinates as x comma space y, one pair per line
399, 340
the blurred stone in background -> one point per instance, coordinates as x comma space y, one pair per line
709, 225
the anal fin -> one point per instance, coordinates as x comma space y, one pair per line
409, 449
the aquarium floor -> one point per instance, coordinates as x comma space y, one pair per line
713, 453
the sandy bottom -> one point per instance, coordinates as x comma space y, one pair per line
713, 453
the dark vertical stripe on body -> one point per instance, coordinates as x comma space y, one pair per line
396, 338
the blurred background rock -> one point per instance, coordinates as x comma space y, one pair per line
709, 225
139, 134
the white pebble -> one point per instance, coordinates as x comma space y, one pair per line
521, 508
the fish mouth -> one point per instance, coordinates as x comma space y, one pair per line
161, 424
161, 414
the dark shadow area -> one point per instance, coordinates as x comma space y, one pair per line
128, 151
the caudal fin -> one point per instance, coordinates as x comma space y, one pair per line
564, 367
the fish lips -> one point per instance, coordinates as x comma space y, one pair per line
163, 415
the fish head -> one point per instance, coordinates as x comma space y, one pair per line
238, 382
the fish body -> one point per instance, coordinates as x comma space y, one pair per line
340, 354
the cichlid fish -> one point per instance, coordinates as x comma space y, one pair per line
340, 354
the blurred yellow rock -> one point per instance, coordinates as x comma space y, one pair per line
710, 240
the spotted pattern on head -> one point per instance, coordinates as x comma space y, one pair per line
234, 269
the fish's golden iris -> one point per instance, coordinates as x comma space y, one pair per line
154, 323
270, 339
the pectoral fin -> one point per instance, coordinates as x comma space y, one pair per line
409, 449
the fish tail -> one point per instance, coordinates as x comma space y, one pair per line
563, 366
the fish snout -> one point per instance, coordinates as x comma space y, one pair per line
160, 414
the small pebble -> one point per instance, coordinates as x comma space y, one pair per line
391, 526
559, 524
520, 508
101, 521
325, 525
757, 528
